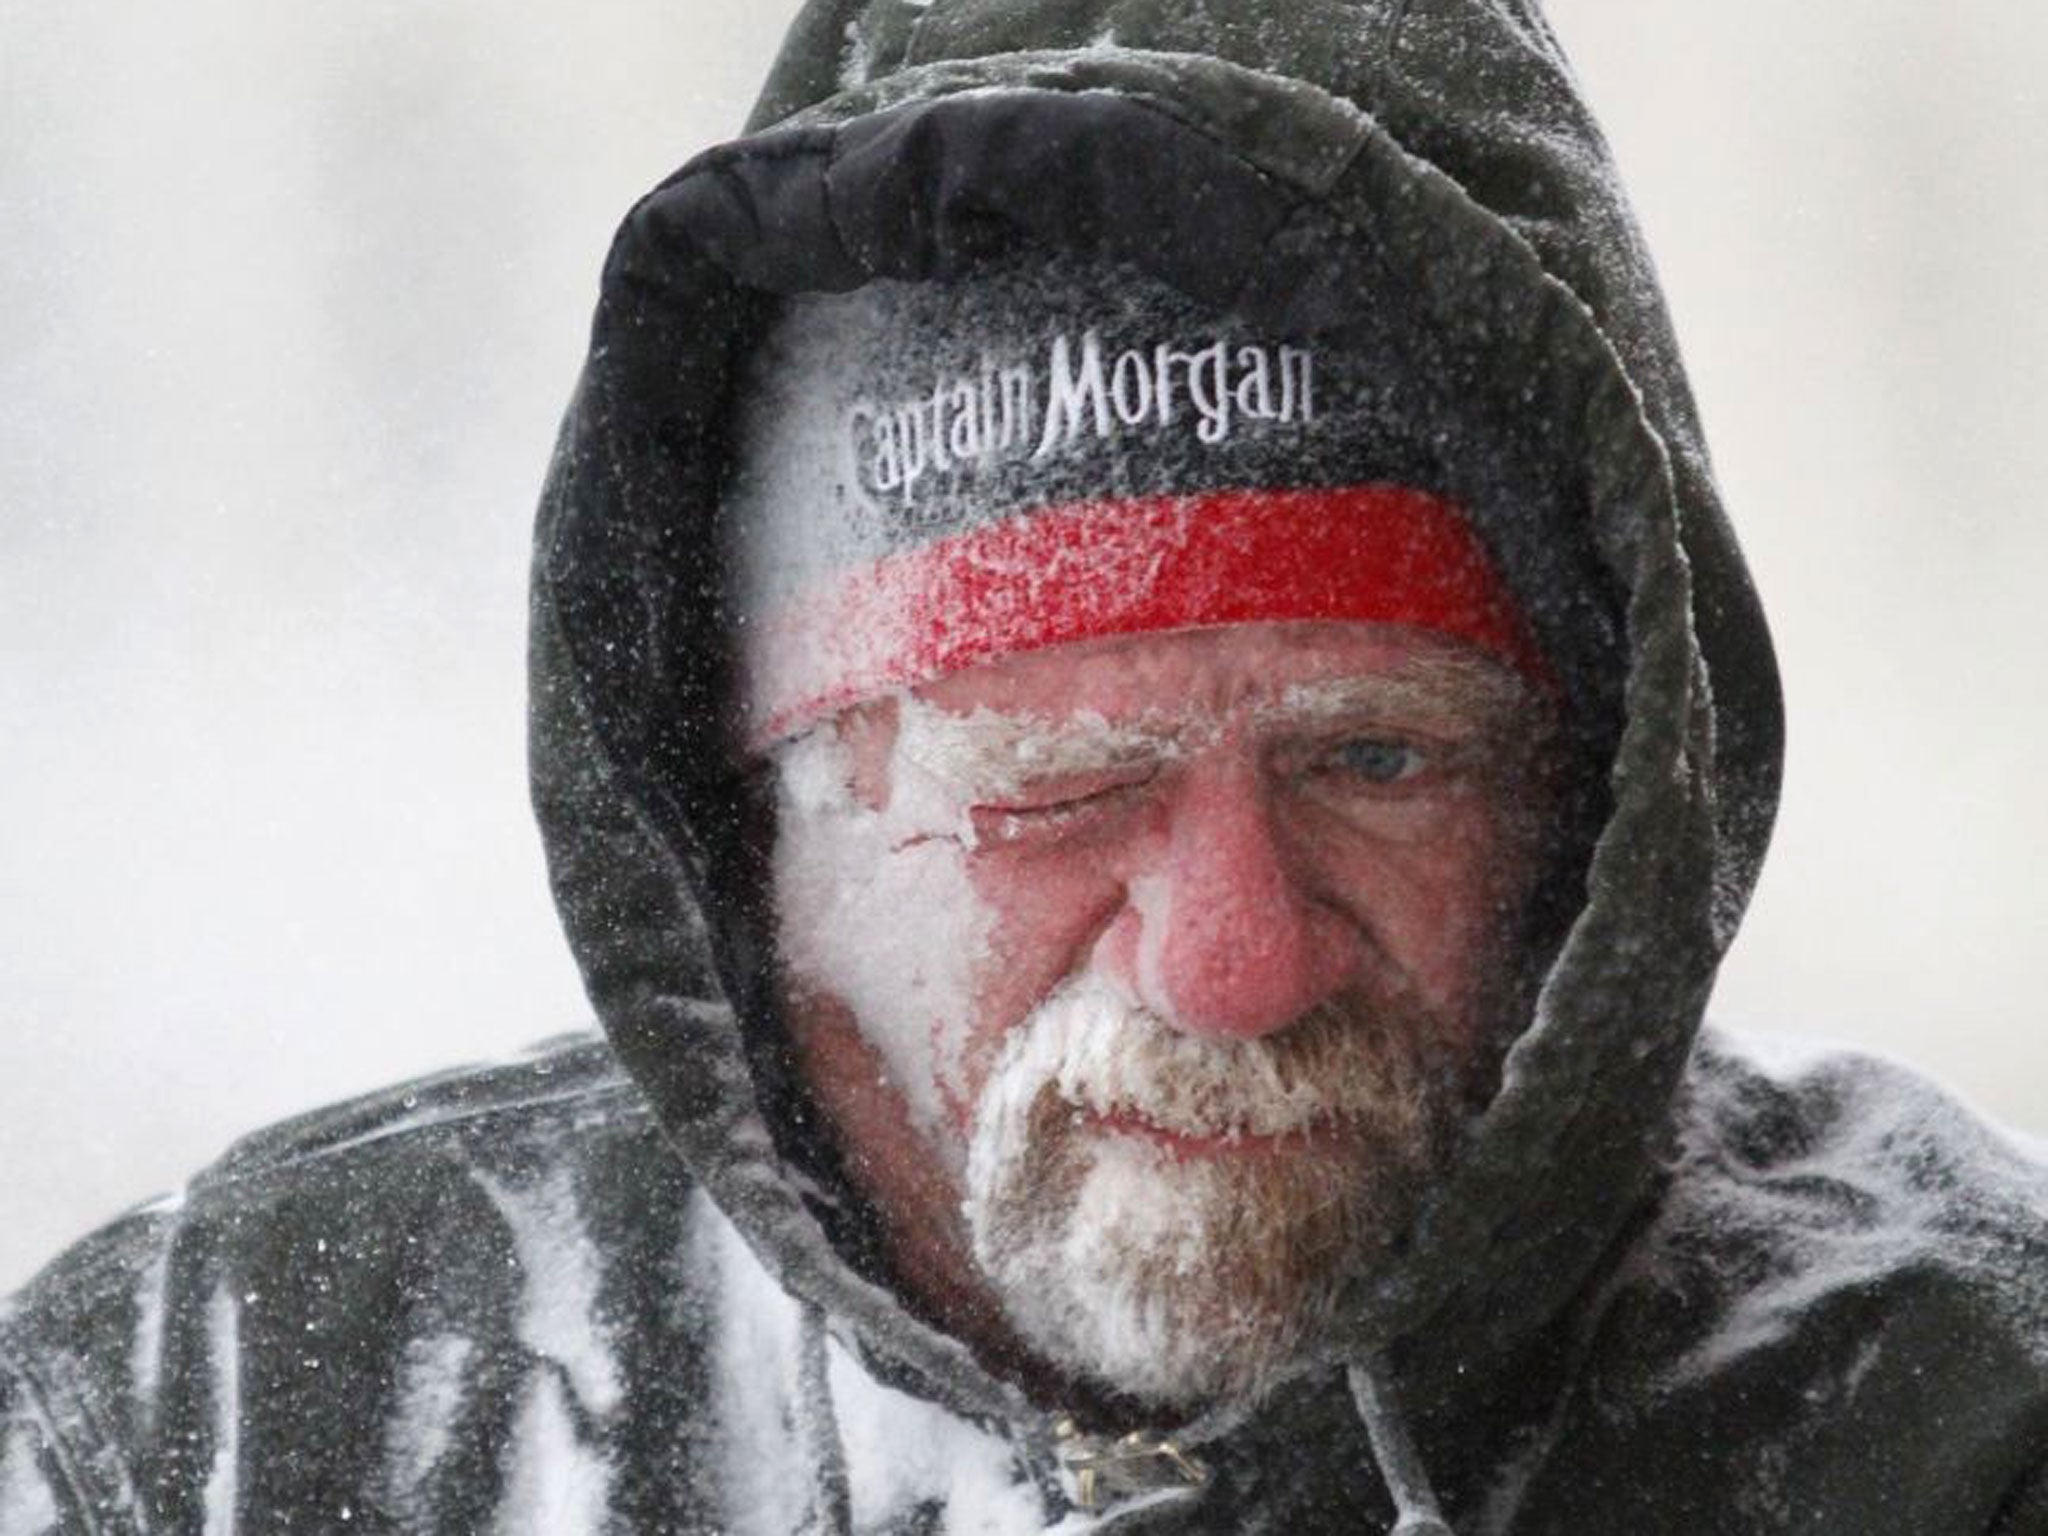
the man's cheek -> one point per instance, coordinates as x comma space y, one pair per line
1022, 965
890, 925
1045, 914
959, 1090
973, 1041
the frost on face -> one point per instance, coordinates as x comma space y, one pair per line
1100, 1244
987, 756
876, 906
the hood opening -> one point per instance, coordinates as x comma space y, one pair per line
655, 834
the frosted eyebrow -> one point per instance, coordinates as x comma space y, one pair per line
991, 753
1448, 692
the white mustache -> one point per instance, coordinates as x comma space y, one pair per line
1106, 1055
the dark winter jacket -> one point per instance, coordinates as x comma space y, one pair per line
617, 1286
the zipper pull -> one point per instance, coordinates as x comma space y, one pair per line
1104, 1468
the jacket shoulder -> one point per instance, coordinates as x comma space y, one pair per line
334, 1243
1850, 1168
1836, 1311
559, 1082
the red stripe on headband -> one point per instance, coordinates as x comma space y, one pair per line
1373, 553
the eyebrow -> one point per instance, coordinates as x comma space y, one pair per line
1443, 691
991, 752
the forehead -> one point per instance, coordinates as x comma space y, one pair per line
1219, 671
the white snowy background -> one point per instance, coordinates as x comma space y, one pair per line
292, 295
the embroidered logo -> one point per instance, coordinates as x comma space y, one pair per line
1212, 390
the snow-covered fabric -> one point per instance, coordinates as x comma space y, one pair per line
494, 1302
621, 1286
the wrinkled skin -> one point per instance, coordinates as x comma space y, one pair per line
1224, 833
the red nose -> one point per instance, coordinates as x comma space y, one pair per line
1221, 936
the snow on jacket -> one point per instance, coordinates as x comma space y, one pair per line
617, 1287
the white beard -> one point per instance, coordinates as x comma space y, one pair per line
1181, 1279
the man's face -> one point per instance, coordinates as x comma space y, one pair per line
1172, 962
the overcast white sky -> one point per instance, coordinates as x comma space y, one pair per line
292, 295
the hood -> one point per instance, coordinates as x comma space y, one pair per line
1278, 159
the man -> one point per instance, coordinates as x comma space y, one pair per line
1149, 734
1156, 874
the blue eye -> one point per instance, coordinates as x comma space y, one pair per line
1376, 762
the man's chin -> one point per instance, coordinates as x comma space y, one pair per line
1177, 1217
1181, 1274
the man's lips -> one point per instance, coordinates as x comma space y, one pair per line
1197, 1144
